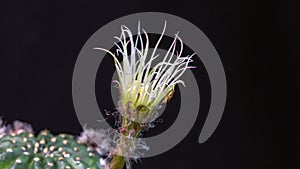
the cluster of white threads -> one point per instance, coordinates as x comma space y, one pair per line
20, 127
132, 149
17, 128
98, 140
141, 82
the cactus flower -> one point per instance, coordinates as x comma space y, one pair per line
144, 85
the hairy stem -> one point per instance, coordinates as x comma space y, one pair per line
128, 128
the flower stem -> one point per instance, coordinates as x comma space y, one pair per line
117, 162
129, 129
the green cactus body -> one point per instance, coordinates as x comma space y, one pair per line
46, 151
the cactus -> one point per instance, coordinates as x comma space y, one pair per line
22, 150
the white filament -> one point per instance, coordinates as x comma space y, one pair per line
140, 81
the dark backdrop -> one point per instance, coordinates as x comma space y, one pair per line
40, 42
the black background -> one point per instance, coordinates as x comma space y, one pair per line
41, 40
